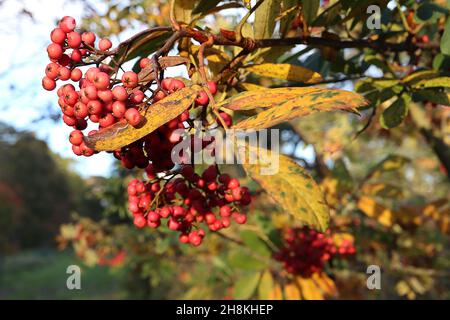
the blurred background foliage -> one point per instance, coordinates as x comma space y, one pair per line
387, 187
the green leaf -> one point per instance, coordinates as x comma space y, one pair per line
141, 45
310, 8
265, 15
396, 112
434, 96
291, 186
255, 243
242, 260
246, 286
445, 39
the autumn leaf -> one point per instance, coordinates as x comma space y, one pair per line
291, 187
283, 104
376, 210
286, 72
122, 134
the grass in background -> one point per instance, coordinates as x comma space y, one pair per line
41, 274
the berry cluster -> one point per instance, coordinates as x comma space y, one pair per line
104, 98
306, 251
188, 201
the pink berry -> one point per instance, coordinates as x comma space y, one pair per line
101, 80
133, 116
105, 95
74, 40
104, 44
130, 79
64, 73
118, 109
52, 70
120, 93
76, 137
54, 51
48, 84
144, 62
88, 38
67, 24
76, 75
58, 36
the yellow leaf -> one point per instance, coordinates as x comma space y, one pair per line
308, 289
276, 293
283, 104
250, 86
157, 114
291, 187
291, 292
286, 72
327, 285
265, 285
375, 210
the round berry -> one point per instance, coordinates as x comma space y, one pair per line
54, 51
74, 40
104, 44
67, 24
52, 70
48, 84
130, 79
58, 36
76, 137
133, 117
88, 38
118, 109
120, 93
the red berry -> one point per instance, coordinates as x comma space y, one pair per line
202, 99
233, 183
133, 117
212, 87
76, 137
101, 80
104, 44
48, 84
105, 95
94, 107
144, 62
67, 24
118, 109
88, 38
139, 221
81, 110
120, 93
52, 70
64, 73
130, 79
54, 51
58, 36
76, 75
74, 40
